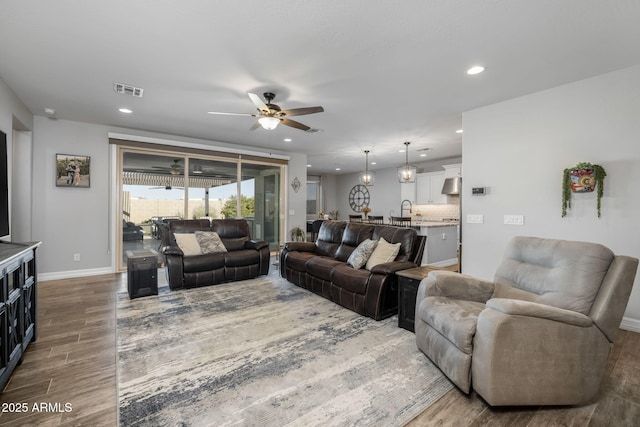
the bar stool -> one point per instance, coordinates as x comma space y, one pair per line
375, 219
401, 221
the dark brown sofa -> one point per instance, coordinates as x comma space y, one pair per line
244, 259
322, 268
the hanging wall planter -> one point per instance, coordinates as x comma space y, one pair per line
582, 178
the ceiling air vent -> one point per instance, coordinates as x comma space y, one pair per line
313, 130
128, 90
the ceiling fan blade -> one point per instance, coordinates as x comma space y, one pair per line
294, 124
232, 114
303, 111
255, 126
260, 105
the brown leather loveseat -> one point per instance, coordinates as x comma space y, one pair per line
241, 258
322, 268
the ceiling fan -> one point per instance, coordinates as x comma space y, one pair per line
168, 186
271, 115
174, 169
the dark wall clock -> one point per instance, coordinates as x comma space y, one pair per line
358, 197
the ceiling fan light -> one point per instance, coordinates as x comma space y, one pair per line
269, 123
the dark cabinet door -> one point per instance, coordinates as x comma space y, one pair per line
407, 292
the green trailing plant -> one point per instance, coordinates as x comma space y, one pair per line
297, 234
598, 175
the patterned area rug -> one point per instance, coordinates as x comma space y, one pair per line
264, 352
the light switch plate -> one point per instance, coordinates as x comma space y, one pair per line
514, 219
475, 218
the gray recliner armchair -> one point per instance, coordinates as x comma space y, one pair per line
539, 334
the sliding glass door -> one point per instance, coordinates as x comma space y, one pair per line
261, 201
158, 187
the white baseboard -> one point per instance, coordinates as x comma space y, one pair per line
629, 324
57, 275
444, 263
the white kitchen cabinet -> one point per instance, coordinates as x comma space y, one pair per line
441, 248
429, 188
408, 191
452, 171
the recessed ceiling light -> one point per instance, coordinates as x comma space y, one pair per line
423, 155
308, 166
287, 140
373, 163
337, 169
125, 110
49, 111
459, 131
400, 151
476, 69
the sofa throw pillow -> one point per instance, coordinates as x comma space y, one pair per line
384, 252
361, 254
188, 243
210, 242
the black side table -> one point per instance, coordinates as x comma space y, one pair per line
408, 282
142, 273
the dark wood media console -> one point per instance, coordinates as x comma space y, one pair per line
18, 298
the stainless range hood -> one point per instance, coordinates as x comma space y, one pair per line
452, 186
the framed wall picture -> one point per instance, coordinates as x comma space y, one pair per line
73, 171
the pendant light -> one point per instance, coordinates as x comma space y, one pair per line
367, 177
406, 172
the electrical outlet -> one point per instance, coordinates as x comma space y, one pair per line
514, 219
475, 219
76, 257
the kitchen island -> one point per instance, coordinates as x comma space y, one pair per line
442, 241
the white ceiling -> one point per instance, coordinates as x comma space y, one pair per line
384, 71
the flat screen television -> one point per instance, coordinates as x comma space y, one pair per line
4, 187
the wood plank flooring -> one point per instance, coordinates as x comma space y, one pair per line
74, 361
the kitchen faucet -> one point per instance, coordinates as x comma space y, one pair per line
402, 207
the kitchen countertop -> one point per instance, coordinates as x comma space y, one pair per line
421, 223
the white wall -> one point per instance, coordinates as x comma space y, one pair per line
21, 185
14, 116
70, 220
518, 150
296, 213
76, 220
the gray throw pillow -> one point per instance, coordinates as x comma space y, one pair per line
210, 242
361, 254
